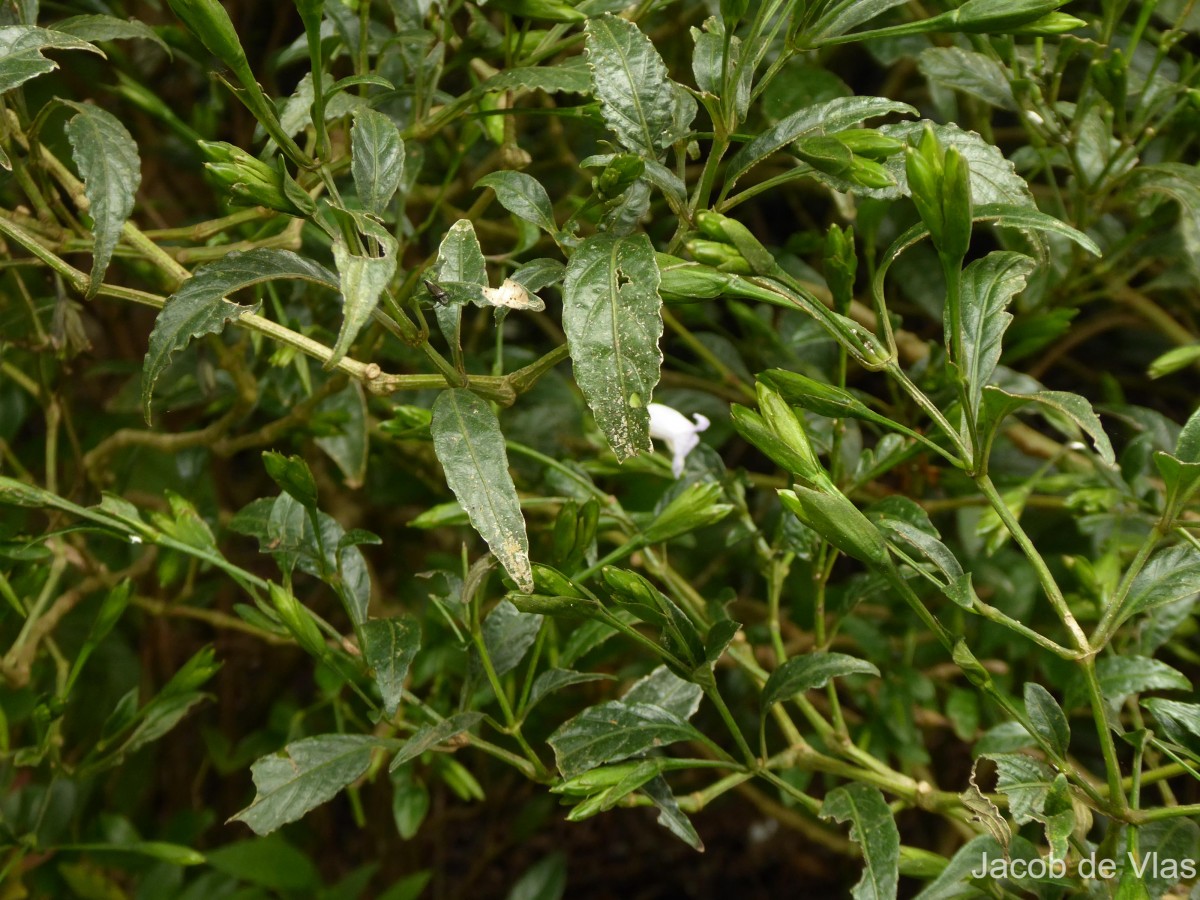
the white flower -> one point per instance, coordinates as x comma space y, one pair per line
673, 428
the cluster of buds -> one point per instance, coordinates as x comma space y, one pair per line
855, 155
252, 182
940, 184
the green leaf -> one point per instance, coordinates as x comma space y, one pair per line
544, 880
613, 731
107, 158
21, 49
555, 679
470, 446
377, 160
813, 670
269, 862
96, 28
993, 178
348, 446
874, 830
199, 308
1120, 676
823, 118
430, 736
1172, 574
389, 648
637, 99
1168, 851
612, 315
362, 280
523, 196
670, 816
508, 634
459, 259
1174, 360
972, 73
1060, 409
1176, 719
988, 286
305, 774
842, 15
562, 78
1047, 718
666, 690
953, 882
1025, 781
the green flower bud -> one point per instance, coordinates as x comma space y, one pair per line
923, 165
956, 206
618, 176
838, 521
712, 225
826, 154
597, 779
732, 11
550, 581
564, 530
978, 16
752, 427
841, 266
787, 426
297, 620
870, 174
249, 180
869, 143
683, 280
696, 507
208, 20
724, 257
631, 587
971, 667
541, 10
1054, 23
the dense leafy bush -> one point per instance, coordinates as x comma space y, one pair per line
299, 487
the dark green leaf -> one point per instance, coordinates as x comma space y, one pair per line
813, 670
21, 49
523, 196
508, 633
544, 880
842, 15
96, 28
613, 731
362, 279
1047, 718
667, 690
108, 160
429, 736
377, 160
874, 830
555, 679
1120, 676
824, 118
1177, 719
970, 72
348, 446
459, 259
1172, 574
1025, 781
612, 315
305, 774
390, 645
199, 308
1061, 409
470, 447
637, 99
670, 816
988, 286
269, 862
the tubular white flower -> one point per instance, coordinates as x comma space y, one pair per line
675, 430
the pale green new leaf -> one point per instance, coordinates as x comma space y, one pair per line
612, 315
470, 446
389, 648
988, 286
199, 307
1047, 718
822, 118
637, 99
377, 159
613, 731
523, 196
363, 280
304, 775
107, 158
21, 49
874, 830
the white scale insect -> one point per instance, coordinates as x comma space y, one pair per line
510, 295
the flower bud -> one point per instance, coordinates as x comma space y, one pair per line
618, 176
724, 257
249, 180
297, 620
841, 266
869, 143
786, 425
971, 667
696, 507
838, 521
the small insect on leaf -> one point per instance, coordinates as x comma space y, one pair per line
439, 295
